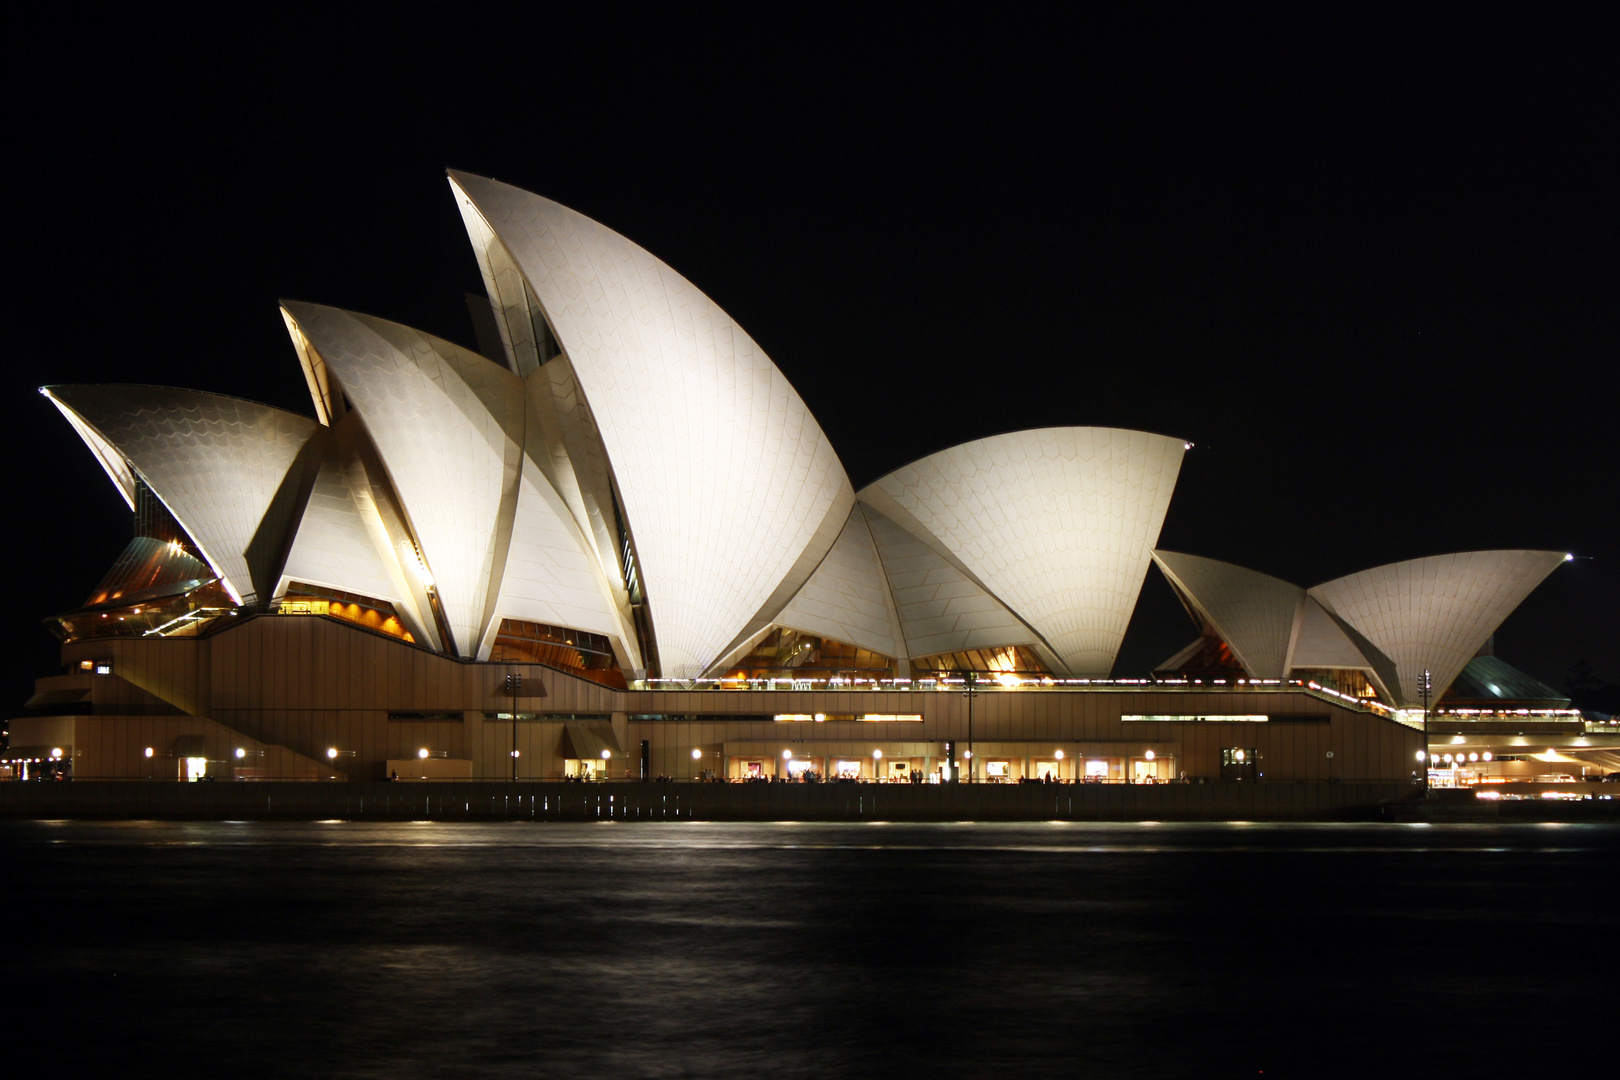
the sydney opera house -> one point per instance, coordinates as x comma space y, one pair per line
615, 542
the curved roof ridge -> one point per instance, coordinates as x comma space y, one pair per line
730, 489
1253, 612
1021, 431
51, 388
1057, 523
1433, 613
216, 462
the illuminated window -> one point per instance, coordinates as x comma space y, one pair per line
367, 611
1006, 659
788, 654
587, 655
1350, 681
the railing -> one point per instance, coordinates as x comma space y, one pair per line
1007, 682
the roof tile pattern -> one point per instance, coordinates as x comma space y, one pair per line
940, 608
1252, 612
440, 418
332, 546
724, 476
549, 578
1321, 643
215, 461
1435, 613
847, 598
1057, 523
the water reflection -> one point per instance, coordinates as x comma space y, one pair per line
694, 949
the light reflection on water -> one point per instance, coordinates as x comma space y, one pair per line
694, 949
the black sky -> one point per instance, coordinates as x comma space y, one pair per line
1369, 267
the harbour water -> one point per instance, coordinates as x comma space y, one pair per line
702, 950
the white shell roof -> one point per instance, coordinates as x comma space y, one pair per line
548, 578
940, 608
1436, 612
332, 545
1252, 612
106, 455
847, 598
426, 404
724, 476
1321, 643
1056, 523
215, 461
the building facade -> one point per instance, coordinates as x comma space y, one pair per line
620, 524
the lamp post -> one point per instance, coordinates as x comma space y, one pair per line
1424, 684
514, 683
971, 678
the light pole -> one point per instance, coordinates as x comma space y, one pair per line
1424, 683
971, 678
514, 683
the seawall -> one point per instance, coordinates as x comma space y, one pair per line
621, 801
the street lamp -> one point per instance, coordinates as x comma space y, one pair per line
971, 678
514, 683
1425, 683
877, 756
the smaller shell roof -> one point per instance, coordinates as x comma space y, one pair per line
1254, 613
1435, 613
1057, 524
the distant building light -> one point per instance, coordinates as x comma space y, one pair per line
241, 753
696, 753
56, 752
331, 752
422, 753
148, 751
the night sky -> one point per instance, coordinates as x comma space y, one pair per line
1368, 267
